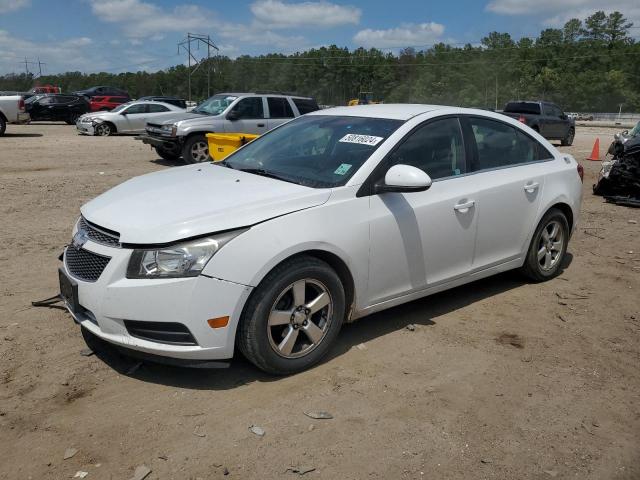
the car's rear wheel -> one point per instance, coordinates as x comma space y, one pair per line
568, 140
103, 130
293, 317
166, 154
72, 119
196, 150
548, 247
3, 125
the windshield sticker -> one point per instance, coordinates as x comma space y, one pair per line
361, 139
342, 169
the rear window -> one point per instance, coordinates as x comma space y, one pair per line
279, 108
523, 107
305, 105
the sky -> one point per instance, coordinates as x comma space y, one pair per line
131, 35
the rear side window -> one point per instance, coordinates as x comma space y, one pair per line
279, 107
501, 145
435, 148
155, 108
98, 99
305, 105
522, 107
249, 108
118, 100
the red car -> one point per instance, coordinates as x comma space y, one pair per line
98, 104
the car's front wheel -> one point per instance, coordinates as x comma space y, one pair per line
548, 247
166, 154
3, 125
104, 130
568, 140
293, 317
196, 150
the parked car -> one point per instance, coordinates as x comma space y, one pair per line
102, 104
103, 90
183, 135
64, 107
545, 118
178, 102
45, 89
328, 218
12, 110
126, 118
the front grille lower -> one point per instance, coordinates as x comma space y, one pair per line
98, 234
85, 265
171, 333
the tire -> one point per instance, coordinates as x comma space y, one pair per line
104, 130
196, 150
264, 343
166, 154
542, 263
3, 125
568, 140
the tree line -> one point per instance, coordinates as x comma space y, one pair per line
588, 65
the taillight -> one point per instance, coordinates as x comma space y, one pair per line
581, 172
21, 104
521, 119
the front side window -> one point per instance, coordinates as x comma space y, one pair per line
249, 108
501, 145
318, 151
279, 107
139, 108
435, 148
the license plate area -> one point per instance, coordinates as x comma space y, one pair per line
68, 291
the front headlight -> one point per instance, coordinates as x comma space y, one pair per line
186, 259
170, 129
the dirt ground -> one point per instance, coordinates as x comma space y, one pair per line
500, 379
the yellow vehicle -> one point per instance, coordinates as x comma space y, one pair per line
221, 145
364, 98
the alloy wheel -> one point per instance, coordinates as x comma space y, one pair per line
300, 318
200, 152
103, 130
550, 245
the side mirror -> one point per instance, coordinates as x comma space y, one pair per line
617, 136
233, 116
404, 178
123, 113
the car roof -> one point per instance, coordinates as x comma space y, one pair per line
396, 111
270, 94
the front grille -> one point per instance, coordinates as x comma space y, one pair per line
99, 234
162, 332
85, 265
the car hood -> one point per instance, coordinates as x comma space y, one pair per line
175, 117
100, 116
184, 202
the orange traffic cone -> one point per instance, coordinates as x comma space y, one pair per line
595, 153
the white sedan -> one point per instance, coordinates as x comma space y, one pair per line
325, 219
129, 118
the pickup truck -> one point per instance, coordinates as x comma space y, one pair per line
12, 111
176, 135
545, 118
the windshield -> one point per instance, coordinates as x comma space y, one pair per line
317, 151
635, 131
214, 105
120, 107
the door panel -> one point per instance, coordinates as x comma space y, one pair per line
251, 118
420, 239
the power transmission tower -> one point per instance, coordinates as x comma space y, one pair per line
198, 40
40, 64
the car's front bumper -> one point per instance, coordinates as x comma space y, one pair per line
113, 298
85, 128
171, 144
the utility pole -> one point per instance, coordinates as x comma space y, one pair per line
40, 64
496, 92
186, 45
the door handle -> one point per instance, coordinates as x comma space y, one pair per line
261, 124
531, 187
464, 207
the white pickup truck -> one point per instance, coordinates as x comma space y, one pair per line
12, 111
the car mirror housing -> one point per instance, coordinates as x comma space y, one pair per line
232, 115
404, 178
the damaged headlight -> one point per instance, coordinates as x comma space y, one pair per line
185, 259
171, 129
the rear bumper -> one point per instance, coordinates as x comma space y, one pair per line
23, 117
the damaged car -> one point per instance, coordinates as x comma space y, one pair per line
128, 118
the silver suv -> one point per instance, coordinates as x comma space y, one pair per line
183, 134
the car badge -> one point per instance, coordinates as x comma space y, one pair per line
80, 238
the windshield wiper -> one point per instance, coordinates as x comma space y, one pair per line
265, 173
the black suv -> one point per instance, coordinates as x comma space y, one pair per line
178, 102
103, 90
64, 107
